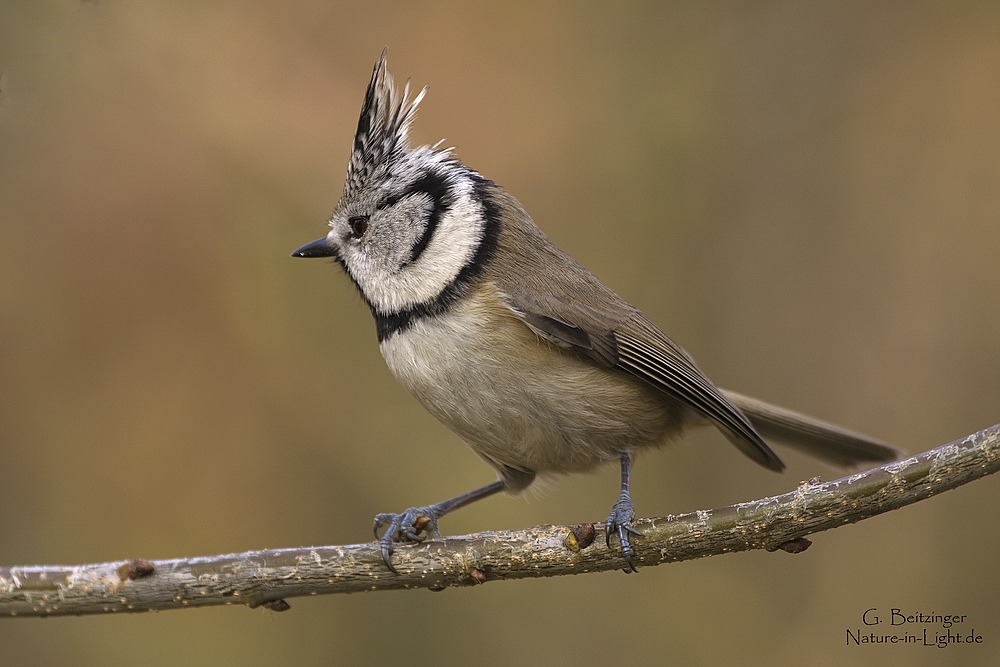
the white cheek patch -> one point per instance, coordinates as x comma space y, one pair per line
452, 246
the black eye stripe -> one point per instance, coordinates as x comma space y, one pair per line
436, 187
486, 192
431, 184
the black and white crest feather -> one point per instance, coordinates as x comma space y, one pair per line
383, 129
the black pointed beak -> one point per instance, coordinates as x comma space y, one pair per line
318, 248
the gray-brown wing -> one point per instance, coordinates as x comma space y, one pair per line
621, 337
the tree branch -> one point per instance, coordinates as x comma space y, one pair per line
267, 577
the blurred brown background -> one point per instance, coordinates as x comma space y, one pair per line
803, 194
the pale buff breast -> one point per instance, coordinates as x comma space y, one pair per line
519, 401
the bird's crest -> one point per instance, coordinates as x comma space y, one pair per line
383, 129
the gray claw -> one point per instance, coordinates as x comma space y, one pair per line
620, 523
403, 527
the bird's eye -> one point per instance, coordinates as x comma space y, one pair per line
359, 225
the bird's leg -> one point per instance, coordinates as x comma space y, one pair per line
622, 515
407, 526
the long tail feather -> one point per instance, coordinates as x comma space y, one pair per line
825, 441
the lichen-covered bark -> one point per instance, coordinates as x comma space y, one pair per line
267, 577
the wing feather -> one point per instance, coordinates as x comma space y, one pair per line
636, 346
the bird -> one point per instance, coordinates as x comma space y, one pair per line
527, 356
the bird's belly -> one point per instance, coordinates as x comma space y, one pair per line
520, 402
